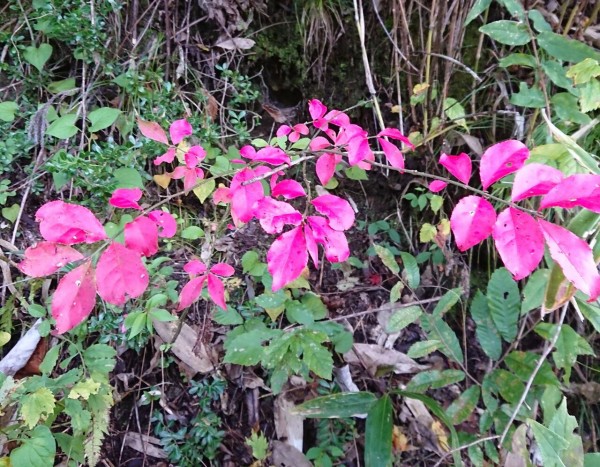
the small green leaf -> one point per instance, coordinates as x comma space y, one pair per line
396, 291
229, 317
584, 71
522, 365
464, 405
427, 233
36, 451
84, 389
387, 258
402, 318
61, 86
37, 311
434, 379
455, 112
589, 96
448, 300
423, 348
486, 332
567, 108
38, 56
539, 22
36, 406
343, 405
411, 269
102, 118
205, 189
478, 8
8, 110
378, 434
356, 173
437, 329
528, 97
193, 232
507, 32
50, 360
11, 213
63, 127
518, 59
504, 303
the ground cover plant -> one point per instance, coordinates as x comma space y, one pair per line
185, 281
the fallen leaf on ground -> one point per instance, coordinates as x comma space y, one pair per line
378, 360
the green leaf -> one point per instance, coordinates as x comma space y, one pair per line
464, 405
126, 177
591, 459
584, 71
434, 379
102, 118
36, 451
193, 232
387, 258
296, 312
514, 7
402, 318
63, 127
80, 418
246, 349
510, 388
550, 444
8, 110
507, 32
589, 96
378, 434
423, 348
396, 291
229, 317
315, 356
100, 359
519, 59
558, 75
61, 86
455, 111
356, 173
438, 329
522, 365
567, 50
38, 56
486, 332
427, 233
564, 425
50, 360
411, 269
533, 293
504, 303
36, 406
84, 389
37, 311
478, 8
528, 97
591, 313
343, 405
10, 213
301, 144
448, 300
539, 22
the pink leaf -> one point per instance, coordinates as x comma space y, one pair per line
222, 269
141, 235
245, 196
574, 256
120, 274
338, 210
287, 257
437, 185
337, 117
222, 195
168, 157
289, 189
326, 166
167, 226
460, 166
190, 176
577, 190
502, 159
334, 242
394, 133
472, 221
68, 223
274, 215
283, 130
74, 298
153, 131
271, 155
216, 291
179, 129
535, 180
311, 245
126, 198
195, 267
519, 240
392, 154
316, 109
45, 258
190, 292
318, 143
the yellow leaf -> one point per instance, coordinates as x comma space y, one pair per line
4, 338
440, 434
399, 440
84, 389
182, 148
420, 88
204, 190
396, 109
162, 180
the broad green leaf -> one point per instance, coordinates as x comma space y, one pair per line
464, 405
63, 127
589, 96
591, 313
567, 50
533, 292
127, 177
387, 258
455, 111
356, 173
519, 59
270, 300
564, 425
102, 118
343, 405
567, 108
550, 443
50, 360
434, 379
514, 7
38, 56
504, 303
229, 317
8, 110
448, 300
478, 8
507, 32
245, 349
396, 291
402, 318
36, 406
204, 190
584, 71
510, 388
80, 417
522, 365
558, 75
193, 232
539, 22
378, 434
528, 97
438, 329
317, 357
61, 86
423, 348
36, 451
296, 312
486, 331
72, 446
411, 269
316, 306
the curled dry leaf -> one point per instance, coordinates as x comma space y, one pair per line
376, 357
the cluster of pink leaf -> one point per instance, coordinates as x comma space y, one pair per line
519, 237
119, 273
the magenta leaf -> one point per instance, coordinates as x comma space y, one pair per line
577, 190
153, 131
316, 109
311, 245
357, 146
437, 185
274, 215
126, 198
45, 258
195, 267
287, 257
460, 166
574, 256
191, 292
167, 226
179, 129
74, 298
326, 166
289, 189
168, 157
120, 274
216, 291
190, 176
68, 223
194, 155
394, 133
392, 154
519, 240
222, 195
334, 242
472, 221
318, 143
283, 130
141, 235
245, 196
535, 180
222, 269
338, 211
502, 159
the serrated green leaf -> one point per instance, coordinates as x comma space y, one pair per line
509, 387
522, 365
504, 303
507, 32
38, 56
84, 389
80, 417
486, 331
245, 349
99, 359
36, 406
387, 258
589, 96
343, 405
229, 317
316, 357
427, 233
464, 405
378, 434
38, 450
102, 118
402, 318
423, 348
